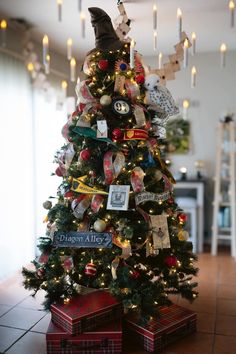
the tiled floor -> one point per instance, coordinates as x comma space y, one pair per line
23, 323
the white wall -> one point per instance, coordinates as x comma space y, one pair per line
215, 93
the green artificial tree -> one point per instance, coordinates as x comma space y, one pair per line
115, 191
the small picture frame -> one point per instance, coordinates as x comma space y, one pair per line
118, 198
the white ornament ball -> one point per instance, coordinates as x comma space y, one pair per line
105, 100
99, 225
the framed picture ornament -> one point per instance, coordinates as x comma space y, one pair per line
118, 198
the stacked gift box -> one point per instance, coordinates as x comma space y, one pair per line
89, 323
172, 323
92, 324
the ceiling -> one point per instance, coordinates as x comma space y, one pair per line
209, 19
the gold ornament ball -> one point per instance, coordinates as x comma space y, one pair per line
105, 100
158, 175
183, 235
99, 225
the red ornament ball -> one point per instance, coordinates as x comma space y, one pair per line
117, 134
60, 171
103, 64
171, 261
140, 79
40, 272
85, 154
182, 218
90, 269
135, 274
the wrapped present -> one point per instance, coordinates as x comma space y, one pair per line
86, 312
105, 339
174, 322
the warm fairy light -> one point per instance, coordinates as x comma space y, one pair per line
186, 43
183, 169
231, 5
30, 67
179, 13
3, 24
185, 104
64, 85
223, 47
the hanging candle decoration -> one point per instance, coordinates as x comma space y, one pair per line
223, 50
231, 9
132, 45
82, 18
186, 45
64, 88
47, 65
80, 5
193, 43
72, 69
59, 9
45, 48
193, 77
179, 22
155, 40
154, 16
160, 60
3, 26
69, 48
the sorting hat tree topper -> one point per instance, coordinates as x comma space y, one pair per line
115, 224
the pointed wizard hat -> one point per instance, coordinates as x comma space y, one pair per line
105, 35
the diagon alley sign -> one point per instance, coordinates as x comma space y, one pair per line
82, 239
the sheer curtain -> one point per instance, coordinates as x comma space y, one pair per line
16, 176
29, 136
48, 122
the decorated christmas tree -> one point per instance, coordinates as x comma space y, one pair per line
115, 224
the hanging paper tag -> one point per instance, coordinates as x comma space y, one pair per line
101, 128
174, 59
137, 176
119, 83
160, 232
118, 198
139, 116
